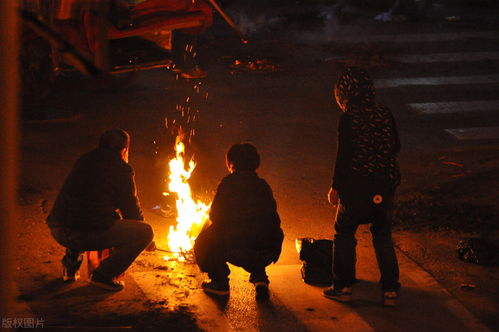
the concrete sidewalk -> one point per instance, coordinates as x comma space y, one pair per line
296, 306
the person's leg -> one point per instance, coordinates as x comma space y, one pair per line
258, 274
218, 283
210, 256
211, 259
259, 278
344, 256
344, 246
71, 263
383, 246
128, 238
254, 260
72, 259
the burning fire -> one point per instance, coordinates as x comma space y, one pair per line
191, 215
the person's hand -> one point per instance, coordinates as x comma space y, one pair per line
332, 197
151, 247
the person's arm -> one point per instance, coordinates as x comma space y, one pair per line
270, 203
218, 206
128, 201
395, 136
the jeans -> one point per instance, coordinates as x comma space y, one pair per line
212, 257
355, 209
128, 238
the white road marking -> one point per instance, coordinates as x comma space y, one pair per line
445, 57
455, 107
466, 134
440, 80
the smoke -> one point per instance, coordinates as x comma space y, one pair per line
330, 28
252, 22
331, 20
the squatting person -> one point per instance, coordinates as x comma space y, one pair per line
98, 208
245, 226
365, 177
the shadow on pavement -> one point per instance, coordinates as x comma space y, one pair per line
220, 301
417, 310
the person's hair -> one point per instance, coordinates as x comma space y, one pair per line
243, 157
115, 140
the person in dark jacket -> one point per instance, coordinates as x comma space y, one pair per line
365, 177
98, 208
245, 226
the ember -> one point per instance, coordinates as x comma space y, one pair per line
191, 215
260, 65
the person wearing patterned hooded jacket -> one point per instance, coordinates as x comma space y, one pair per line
365, 177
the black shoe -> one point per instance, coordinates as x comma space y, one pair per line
69, 275
262, 290
339, 294
106, 283
216, 287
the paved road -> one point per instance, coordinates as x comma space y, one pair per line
440, 81
424, 305
296, 306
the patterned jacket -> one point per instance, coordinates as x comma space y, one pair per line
368, 141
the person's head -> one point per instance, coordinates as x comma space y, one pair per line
116, 140
354, 86
242, 157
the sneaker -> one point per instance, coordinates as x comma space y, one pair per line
390, 298
262, 290
68, 275
216, 287
342, 295
194, 72
106, 283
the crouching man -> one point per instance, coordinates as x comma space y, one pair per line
97, 208
245, 229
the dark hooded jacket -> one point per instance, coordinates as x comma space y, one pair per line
99, 189
368, 142
244, 212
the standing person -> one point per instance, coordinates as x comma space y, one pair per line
99, 191
245, 229
365, 177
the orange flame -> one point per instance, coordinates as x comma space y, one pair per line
191, 215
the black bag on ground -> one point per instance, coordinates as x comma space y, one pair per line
478, 251
317, 257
